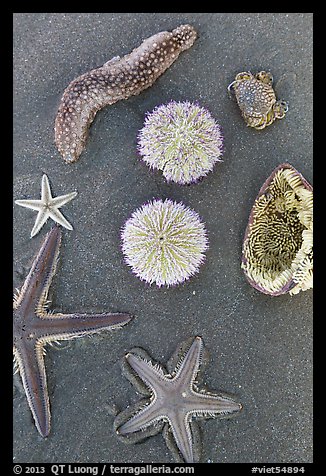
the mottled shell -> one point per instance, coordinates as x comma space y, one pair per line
277, 254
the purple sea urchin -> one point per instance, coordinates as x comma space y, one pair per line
173, 400
182, 140
164, 242
277, 255
256, 99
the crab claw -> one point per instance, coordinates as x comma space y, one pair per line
230, 88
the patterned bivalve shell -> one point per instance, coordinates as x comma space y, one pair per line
277, 253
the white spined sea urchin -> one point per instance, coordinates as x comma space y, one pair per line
277, 255
164, 242
182, 140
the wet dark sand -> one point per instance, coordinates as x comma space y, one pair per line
260, 347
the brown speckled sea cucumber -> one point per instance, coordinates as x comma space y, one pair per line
117, 79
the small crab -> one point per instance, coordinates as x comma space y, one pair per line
256, 99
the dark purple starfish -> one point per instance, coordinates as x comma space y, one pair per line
35, 326
174, 400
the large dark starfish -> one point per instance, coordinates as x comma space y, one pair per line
174, 399
34, 327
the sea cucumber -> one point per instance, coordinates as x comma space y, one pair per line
119, 78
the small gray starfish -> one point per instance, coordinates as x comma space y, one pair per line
47, 207
35, 326
174, 399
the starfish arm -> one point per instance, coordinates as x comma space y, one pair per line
39, 278
33, 204
57, 216
147, 416
42, 217
58, 202
211, 405
190, 363
54, 327
182, 435
46, 190
152, 375
30, 361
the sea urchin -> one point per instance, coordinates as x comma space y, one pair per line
182, 140
164, 242
277, 255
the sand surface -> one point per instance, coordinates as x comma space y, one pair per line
260, 347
